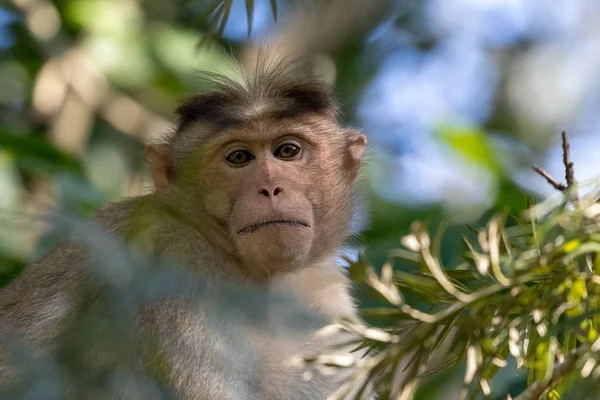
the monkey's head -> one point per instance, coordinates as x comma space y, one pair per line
262, 167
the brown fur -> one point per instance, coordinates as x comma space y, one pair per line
195, 218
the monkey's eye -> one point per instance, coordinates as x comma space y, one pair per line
287, 151
239, 157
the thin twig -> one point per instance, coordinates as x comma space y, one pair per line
556, 184
569, 166
569, 170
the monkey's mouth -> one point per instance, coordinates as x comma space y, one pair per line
254, 227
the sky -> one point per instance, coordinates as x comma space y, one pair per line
414, 90
5, 19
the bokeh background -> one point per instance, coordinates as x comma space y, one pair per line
458, 98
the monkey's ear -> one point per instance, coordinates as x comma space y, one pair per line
159, 164
356, 145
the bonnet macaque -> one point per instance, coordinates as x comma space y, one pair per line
253, 188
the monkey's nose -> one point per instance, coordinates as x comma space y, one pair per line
271, 191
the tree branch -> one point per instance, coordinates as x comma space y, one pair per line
556, 184
569, 168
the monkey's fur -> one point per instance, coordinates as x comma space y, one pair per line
273, 221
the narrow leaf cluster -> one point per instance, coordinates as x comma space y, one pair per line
528, 288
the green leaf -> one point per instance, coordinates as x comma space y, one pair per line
10, 268
473, 145
585, 248
36, 152
250, 14
447, 363
274, 9
444, 333
357, 269
210, 9
384, 312
419, 284
227, 4
389, 221
213, 26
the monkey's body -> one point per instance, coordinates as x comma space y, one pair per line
245, 214
210, 355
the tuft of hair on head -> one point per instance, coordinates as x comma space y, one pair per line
278, 85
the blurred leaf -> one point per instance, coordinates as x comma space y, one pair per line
220, 11
250, 12
357, 269
274, 9
510, 197
352, 78
420, 284
10, 267
210, 9
38, 153
226, 10
473, 145
175, 48
390, 220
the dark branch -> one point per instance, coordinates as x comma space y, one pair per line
569, 170
557, 185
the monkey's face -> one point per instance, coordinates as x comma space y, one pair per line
282, 191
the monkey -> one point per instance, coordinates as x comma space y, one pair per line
254, 188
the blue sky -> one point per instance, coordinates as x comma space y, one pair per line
5, 18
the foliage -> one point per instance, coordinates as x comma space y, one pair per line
527, 288
220, 10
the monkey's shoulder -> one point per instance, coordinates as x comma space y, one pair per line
116, 217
